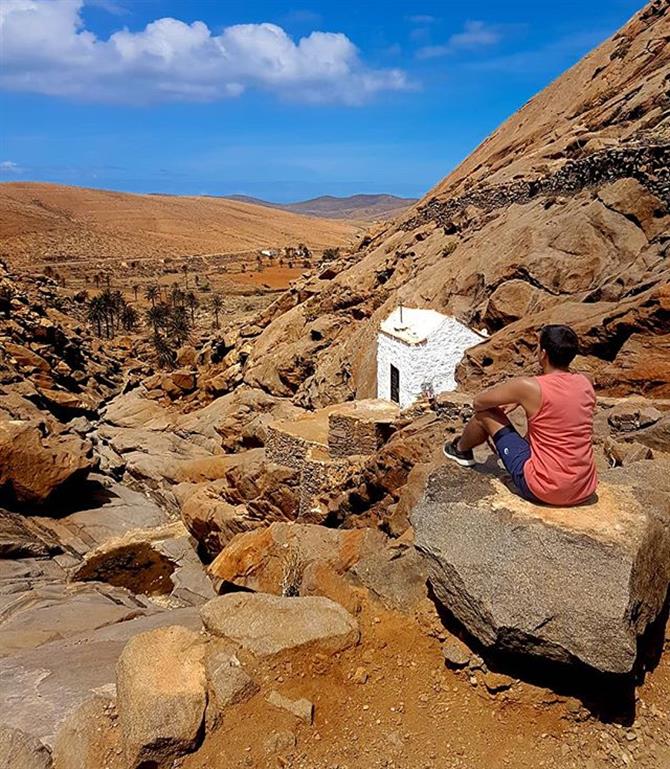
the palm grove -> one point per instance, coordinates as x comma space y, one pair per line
169, 319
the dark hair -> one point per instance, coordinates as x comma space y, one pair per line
560, 343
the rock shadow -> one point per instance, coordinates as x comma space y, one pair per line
608, 697
138, 567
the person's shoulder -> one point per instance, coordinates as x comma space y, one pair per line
589, 379
527, 382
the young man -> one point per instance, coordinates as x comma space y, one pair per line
554, 464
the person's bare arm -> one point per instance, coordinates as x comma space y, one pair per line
515, 392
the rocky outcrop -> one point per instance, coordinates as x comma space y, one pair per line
250, 491
267, 625
305, 559
34, 464
578, 585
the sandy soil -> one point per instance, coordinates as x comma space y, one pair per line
414, 713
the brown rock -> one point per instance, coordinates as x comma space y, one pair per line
19, 750
302, 709
89, 737
187, 356
161, 695
34, 465
184, 379
227, 683
267, 625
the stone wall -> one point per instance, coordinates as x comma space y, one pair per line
649, 165
285, 448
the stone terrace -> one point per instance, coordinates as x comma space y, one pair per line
326, 445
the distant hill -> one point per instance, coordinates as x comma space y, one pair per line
360, 207
42, 219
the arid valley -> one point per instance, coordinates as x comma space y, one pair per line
221, 547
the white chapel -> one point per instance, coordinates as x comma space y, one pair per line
418, 350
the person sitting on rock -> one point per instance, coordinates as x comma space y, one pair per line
554, 464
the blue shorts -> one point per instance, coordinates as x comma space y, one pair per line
514, 452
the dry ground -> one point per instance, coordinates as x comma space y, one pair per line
40, 221
413, 713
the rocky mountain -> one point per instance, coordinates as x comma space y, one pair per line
365, 208
560, 215
41, 220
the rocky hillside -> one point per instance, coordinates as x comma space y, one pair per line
42, 220
561, 215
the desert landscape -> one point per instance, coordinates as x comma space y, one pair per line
221, 549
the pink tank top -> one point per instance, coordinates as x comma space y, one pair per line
561, 469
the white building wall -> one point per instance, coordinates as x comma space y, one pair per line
432, 362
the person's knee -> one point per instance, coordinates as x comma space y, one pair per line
485, 415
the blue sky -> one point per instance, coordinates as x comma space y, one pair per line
222, 97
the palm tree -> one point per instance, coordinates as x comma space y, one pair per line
192, 301
178, 325
184, 269
165, 354
152, 293
136, 288
129, 317
177, 296
217, 306
96, 313
156, 315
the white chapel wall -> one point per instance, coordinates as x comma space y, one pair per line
433, 361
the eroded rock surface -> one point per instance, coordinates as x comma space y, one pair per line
267, 624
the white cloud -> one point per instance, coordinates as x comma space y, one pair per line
46, 49
111, 6
9, 167
475, 34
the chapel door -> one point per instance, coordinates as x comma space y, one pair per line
395, 384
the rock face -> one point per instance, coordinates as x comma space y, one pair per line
268, 624
33, 465
578, 584
19, 750
161, 695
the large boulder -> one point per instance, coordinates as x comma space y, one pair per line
268, 624
161, 695
42, 686
34, 463
579, 584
